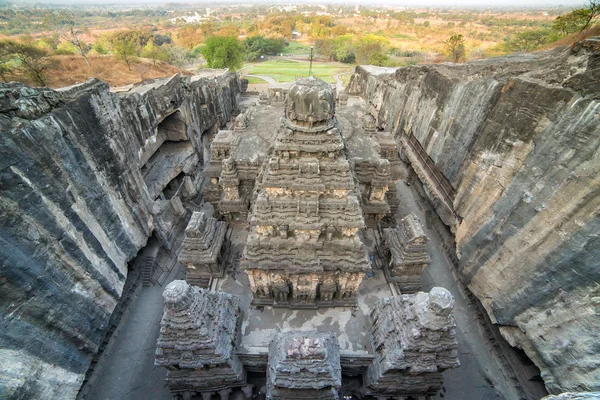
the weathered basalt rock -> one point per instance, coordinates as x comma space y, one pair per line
76, 207
507, 151
574, 396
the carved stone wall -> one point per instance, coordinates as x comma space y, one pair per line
76, 208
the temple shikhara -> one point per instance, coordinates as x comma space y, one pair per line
305, 196
304, 246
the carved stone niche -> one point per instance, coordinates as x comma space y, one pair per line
304, 365
280, 288
263, 99
414, 339
328, 290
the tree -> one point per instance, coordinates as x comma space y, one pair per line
593, 8
176, 55
455, 46
138, 39
223, 52
64, 25
527, 40
155, 53
6, 59
372, 49
577, 20
125, 51
259, 45
32, 61
228, 30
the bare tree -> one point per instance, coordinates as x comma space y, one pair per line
64, 24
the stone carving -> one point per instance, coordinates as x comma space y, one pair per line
240, 122
277, 94
304, 365
263, 99
343, 98
303, 248
369, 125
202, 249
196, 342
413, 336
407, 244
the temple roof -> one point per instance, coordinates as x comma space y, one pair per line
204, 237
304, 360
198, 327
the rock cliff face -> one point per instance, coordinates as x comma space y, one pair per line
518, 140
75, 208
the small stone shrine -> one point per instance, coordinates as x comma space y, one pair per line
196, 343
413, 336
407, 245
304, 248
304, 365
202, 249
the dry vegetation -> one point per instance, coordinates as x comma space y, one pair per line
381, 36
71, 70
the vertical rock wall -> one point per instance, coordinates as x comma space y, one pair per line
519, 139
74, 210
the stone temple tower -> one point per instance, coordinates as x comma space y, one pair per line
304, 248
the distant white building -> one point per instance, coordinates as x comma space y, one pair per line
190, 18
296, 34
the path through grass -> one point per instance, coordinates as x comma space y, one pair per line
288, 70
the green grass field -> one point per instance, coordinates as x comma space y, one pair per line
254, 80
297, 48
288, 70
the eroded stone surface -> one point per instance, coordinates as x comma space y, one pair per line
517, 138
76, 208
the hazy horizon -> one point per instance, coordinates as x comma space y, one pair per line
412, 4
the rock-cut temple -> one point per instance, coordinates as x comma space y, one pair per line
306, 201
